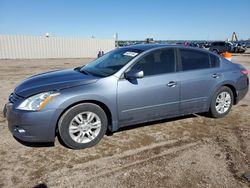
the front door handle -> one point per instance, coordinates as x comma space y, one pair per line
216, 75
171, 84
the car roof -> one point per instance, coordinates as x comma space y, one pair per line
144, 47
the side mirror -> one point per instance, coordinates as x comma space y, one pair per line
134, 74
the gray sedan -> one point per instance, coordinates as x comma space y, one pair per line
127, 86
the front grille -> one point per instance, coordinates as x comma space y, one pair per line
14, 97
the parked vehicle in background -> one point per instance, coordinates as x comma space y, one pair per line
239, 47
149, 40
198, 44
180, 43
201, 44
124, 87
247, 44
207, 44
194, 44
221, 47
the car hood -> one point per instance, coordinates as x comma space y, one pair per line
54, 80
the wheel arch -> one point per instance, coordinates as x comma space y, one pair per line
228, 84
98, 103
233, 89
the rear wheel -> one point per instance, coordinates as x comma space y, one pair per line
82, 126
221, 103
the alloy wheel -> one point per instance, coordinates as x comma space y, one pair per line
85, 127
223, 102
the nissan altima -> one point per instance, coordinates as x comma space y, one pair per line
126, 86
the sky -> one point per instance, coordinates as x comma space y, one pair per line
131, 19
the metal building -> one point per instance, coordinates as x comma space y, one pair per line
37, 47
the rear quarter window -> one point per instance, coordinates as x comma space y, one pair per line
214, 61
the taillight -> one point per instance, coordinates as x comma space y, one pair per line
244, 72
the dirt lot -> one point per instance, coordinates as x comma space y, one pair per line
194, 151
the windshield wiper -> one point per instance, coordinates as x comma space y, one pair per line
84, 72
81, 70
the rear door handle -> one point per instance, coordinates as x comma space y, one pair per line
171, 84
216, 75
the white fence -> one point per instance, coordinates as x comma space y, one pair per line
37, 47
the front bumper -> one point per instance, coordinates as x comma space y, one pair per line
30, 126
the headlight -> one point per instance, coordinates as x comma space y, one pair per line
37, 102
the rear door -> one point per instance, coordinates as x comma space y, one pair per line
154, 96
199, 76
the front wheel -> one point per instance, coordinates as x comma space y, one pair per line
221, 103
82, 126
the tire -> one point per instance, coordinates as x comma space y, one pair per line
82, 126
218, 103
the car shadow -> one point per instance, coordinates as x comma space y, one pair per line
41, 185
35, 144
109, 133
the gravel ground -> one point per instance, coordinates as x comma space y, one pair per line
192, 151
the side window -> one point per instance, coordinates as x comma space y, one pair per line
215, 61
157, 62
222, 44
192, 60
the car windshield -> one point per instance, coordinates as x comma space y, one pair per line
111, 62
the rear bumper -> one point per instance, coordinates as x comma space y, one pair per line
241, 94
31, 126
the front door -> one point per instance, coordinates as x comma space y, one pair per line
154, 96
